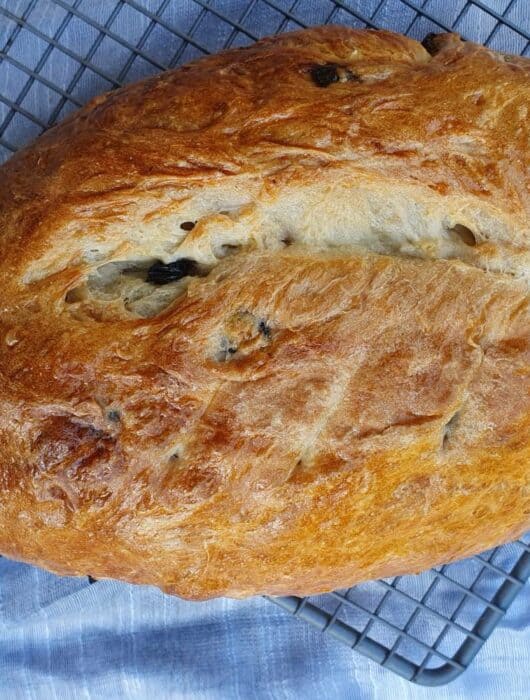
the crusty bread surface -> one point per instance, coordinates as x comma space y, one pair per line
265, 323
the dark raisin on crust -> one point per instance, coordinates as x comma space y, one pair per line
163, 273
431, 43
264, 329
327, 73
187, 225
324, 75
227, 348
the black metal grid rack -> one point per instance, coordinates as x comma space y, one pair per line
56, 54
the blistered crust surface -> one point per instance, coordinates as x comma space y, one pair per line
265, 321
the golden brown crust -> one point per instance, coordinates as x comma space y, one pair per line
340, 390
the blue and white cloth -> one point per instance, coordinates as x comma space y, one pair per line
63, 639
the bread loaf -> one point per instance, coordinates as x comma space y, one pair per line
265, 324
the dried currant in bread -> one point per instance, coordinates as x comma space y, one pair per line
163, 273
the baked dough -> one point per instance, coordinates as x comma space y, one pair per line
264, 323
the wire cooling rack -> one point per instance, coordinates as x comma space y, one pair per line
56, 54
